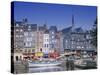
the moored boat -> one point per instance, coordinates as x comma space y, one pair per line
85, 64
44, 63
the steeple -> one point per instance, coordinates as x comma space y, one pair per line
45, 25
73, 25
72, 20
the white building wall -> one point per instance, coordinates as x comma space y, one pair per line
46, 43
19, 55
29, 41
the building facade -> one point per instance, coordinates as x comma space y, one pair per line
46, 42
18, 40
52, 33
58, 42
77, 39
30, 40
40, 35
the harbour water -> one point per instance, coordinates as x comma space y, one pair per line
19, 67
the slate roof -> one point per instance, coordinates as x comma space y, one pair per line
67, 29
33, 27
53, 28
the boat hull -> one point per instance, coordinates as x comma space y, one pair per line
43, 65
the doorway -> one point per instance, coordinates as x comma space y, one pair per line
16, 58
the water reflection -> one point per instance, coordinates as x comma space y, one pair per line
46, 69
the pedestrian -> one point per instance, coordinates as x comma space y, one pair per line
67, 63
71, 65
71, 62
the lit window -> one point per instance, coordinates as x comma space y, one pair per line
28, 39
87, 37
17, 30
78, 47
26, 44
17, 36
21, 30
16, 46
72, 42
52, 36
52, 32
66, 41
82, 47
21, 35
29, 26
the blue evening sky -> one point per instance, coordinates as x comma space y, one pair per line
55, 14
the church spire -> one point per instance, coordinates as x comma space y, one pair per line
45, 25
72, 20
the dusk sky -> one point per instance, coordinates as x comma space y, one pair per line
55, 14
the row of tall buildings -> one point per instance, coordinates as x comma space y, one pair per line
29, 39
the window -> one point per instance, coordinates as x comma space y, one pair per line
82, 46
78, 46
17, 35
72, 46
47, 45
29, 27
47, 40
52, 45
26, 34
33, 50
52, 36
72, 42
29, 39
17, 30
32, 34
29, 51
25, 50
52, 32
21, 35
24, 44
16, 46
87, 36
72, 38
53, 41
78, 39
21, 30
17, 25
44, 45
29, 44
89, 46
66, 41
